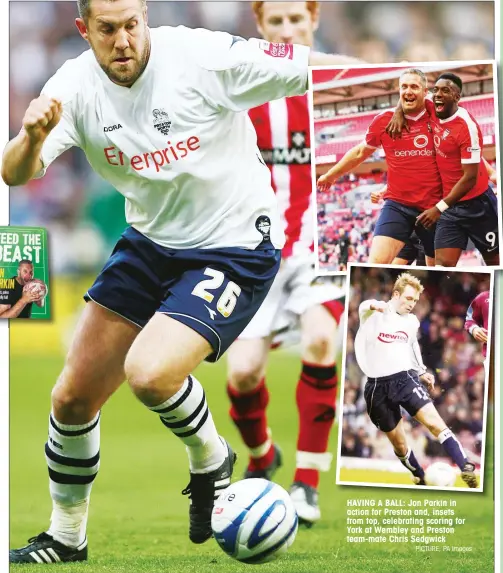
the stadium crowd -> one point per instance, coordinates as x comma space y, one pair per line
336, 212
83, 213
447, 350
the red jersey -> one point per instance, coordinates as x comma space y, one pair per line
458, 140
478, 315
283, 138
413, 177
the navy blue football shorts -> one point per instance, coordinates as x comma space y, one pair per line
399, 222
475, 219
413, 251
215, 292
384, 396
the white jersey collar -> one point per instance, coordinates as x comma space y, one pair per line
416, 117
453, 116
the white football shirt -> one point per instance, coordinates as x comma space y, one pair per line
179, 144
386, 342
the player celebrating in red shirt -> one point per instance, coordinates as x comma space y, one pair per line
469, 207
477, 319
413, 179
296, 297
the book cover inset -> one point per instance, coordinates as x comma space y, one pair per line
24, 273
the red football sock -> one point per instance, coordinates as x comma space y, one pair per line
316, 396
248, 411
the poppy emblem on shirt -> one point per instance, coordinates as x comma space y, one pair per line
161, 120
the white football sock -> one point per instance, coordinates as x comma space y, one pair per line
187, 415
73, 458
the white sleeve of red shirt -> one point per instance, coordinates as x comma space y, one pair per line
468, 138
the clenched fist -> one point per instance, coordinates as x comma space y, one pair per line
323, 184
41, 117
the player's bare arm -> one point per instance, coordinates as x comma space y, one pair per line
397, 123
16, 309
3, 308
493, 175
21, 158
351, 159
429, 217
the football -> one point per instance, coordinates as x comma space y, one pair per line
254, 521
37, 286
440, 474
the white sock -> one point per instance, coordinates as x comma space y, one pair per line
69, 522
187, 415
73, 458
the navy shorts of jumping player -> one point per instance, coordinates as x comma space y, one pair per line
475, 219
215, 292
385, 395
399, 222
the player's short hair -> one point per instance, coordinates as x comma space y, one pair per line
25, 262
406, 279
84, 7
416, 72
453, 78
258, 8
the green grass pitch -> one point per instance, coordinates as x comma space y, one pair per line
138, 518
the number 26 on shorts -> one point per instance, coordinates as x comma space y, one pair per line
228, 299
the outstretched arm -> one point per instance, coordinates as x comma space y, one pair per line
367, 307
351, 159
21, 158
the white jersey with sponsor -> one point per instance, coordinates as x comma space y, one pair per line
179, 144
386, 342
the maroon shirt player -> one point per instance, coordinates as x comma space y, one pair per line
477, 319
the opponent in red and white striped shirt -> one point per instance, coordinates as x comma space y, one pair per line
469, 207
296, 297
282, 128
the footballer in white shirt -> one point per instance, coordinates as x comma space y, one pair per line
388, 353
162, 115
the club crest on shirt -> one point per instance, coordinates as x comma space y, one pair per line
263, 226
388, 337
161, 120
277, 50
